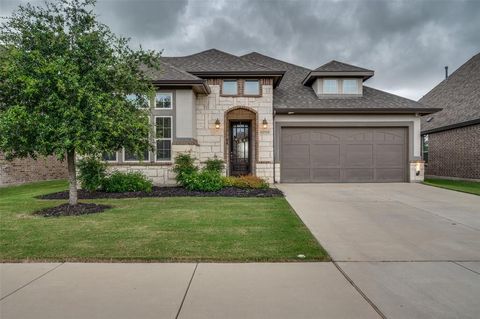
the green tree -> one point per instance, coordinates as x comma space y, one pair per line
66, 83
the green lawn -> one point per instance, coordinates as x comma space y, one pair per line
461, 186
153, 229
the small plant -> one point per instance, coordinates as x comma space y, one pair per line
184, 168
247, 181
119, 182
214, 165
92, 172
205, 181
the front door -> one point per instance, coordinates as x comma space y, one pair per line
240, 148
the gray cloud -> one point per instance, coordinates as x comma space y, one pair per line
407, 43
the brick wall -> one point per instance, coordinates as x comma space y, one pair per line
27, 170
455, 153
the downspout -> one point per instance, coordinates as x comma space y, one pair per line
274, 151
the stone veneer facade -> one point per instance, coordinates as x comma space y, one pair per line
210, 142
28, 170
454, 153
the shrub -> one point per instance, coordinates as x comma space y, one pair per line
119, 182
214, 165
184, 167
247, 181
92, 172
205, 181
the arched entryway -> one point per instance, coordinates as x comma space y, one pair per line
240, 141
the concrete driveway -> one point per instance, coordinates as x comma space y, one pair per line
412, 250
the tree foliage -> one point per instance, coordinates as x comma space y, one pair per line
64, 79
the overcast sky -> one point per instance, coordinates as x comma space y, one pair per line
407, 43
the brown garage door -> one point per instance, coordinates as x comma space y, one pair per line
343, 154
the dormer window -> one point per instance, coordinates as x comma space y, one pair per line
330, 86
350, 86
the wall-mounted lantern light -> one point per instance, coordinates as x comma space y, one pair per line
217, 124
265, 123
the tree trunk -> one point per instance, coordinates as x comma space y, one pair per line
72, 178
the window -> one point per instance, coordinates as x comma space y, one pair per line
130, 156
425, 148
109, 156
163, 100
139, 101
252, 87
163, 138
229, 87
350, 87
330, 86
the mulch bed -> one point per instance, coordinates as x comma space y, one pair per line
171, 192
72, 210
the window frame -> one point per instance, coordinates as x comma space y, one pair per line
356, 86
229, 94
147, 99
259, 92
163, 108
155, 138
110, 161
145, 160
333, 80
423, 148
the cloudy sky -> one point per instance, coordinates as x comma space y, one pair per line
407, 43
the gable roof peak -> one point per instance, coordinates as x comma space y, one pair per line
337, 66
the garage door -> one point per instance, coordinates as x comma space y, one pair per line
343, 155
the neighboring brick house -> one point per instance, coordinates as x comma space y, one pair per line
451, 137
28, 170
279, 121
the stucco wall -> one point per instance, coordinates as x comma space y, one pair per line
27, 170
455, 153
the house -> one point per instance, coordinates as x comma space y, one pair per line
279, 121
26, 170
451, 137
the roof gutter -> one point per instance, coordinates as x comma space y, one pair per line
421, 111
197, 83
452, 126
316, 74
277, 75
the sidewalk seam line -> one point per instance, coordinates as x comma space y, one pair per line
370, 302
465, 267
31, 281
186, 291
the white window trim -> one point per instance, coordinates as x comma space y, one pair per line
356, 86
156, 139
163, 108
251, 94
145, 160
110, 161
323, 86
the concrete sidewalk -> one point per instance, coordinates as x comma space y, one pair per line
250, 290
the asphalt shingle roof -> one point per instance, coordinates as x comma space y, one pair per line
168, 72
458, 95
336, 66
214, 60
292, 94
